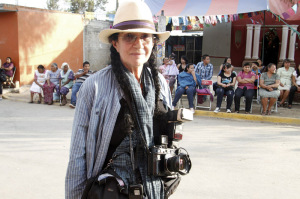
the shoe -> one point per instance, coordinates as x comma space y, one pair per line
50, 103
217, 110
228, 111
31, 102
39, 102
173, 108
193, 110
72, 105
290, 107
237, 111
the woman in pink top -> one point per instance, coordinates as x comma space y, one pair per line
245, 88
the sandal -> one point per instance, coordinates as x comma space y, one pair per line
39, 102
268, 113
289, 106
31, 102
264, 113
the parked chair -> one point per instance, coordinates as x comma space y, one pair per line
205, 83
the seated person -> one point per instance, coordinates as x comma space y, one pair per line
204, 69
162, 68
255, 70
171, 73
183, 63
245, 88
269, 82
285, 74
52, 82
260, 66
188, 81
8, 68
80, 76
226, 82
40, 76
296, 85
66, 78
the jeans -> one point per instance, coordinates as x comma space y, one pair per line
248, 93
190, 92
75, 90
220, 93
292, 94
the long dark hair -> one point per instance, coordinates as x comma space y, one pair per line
151, 63
226, 65
185, 59
225, 60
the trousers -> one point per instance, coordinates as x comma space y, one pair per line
220, 93
248, 93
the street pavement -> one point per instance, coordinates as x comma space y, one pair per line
231, 158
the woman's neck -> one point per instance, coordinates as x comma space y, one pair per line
286, 67
136, 71
227, 73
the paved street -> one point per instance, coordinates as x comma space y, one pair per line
231, 159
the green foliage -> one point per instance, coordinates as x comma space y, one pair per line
52, 4
80, 6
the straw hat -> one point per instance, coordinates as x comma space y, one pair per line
133, 16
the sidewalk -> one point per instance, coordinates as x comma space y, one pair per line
283, 115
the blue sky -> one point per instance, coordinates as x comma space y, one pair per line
111, 5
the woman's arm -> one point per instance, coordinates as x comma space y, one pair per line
294, 81
277, 83
195, 78
219, 82
240, 80
233, 82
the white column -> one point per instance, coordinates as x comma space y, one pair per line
285, 31
292, 44
249, 41
256, 41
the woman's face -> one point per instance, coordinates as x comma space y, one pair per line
229, 60
259, 62
183, 61
166, 61
41, 70
191, 69
287, 64
247, 69
134, 48
272, 69
65, 68
8, 60
254, 66
53, 68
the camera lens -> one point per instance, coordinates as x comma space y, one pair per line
180, 163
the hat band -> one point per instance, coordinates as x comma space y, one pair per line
134, 24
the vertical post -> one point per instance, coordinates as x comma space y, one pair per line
263, 41
249, 41
161, 46
292, 44
256, 41
284, 39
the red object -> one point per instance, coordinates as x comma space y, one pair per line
178, 136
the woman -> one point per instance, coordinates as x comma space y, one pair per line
285, 74
66, 78
188, 81
269, 82
171, 73
8, 67
103, 128
226, 82
52, 82
245, 88
296, 85
260, 66
227, 60
163, 68
183, 63
40, 76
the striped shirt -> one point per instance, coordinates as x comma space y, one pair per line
96, 113
83, 77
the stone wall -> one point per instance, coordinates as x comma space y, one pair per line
94, 51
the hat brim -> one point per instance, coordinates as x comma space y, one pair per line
104, 34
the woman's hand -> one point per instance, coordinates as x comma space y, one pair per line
186, 87
281, 85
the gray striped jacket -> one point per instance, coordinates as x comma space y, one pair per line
96, 113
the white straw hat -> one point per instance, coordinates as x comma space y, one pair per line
133, 16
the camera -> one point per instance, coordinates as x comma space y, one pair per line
164, 161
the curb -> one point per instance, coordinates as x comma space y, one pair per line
260, 118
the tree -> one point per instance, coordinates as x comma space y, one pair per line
80, 6
52, 4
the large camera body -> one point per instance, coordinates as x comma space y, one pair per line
166, 158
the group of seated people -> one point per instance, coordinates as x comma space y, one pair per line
272, 85
60, 80
6, 70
